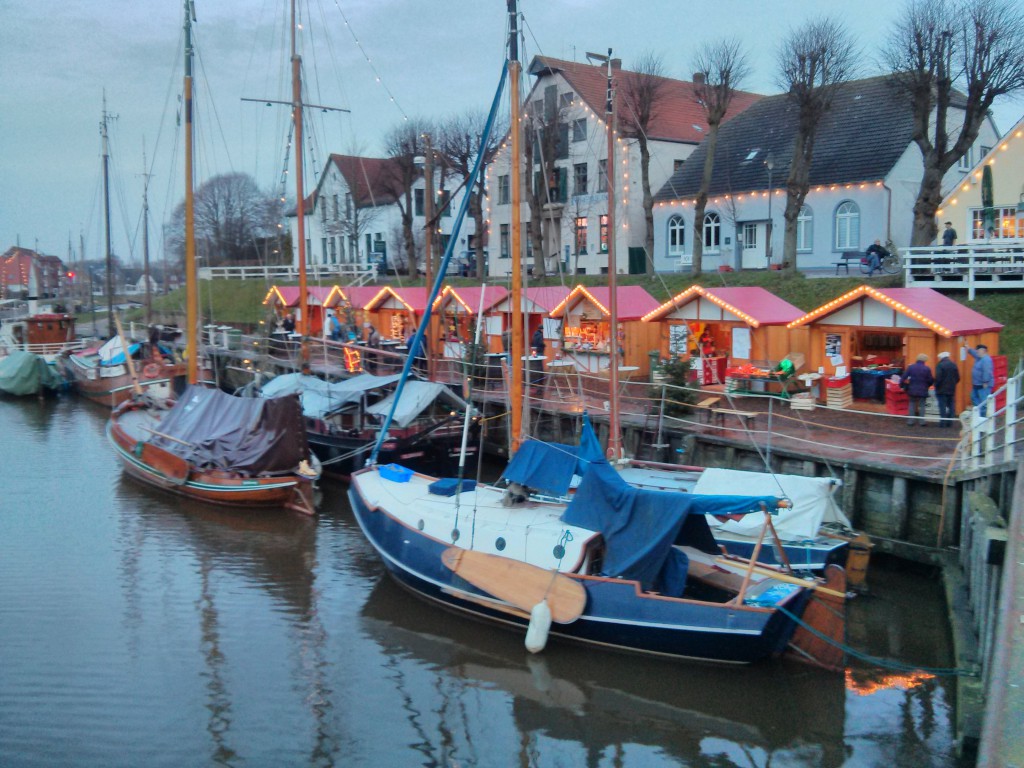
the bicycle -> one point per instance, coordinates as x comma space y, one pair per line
889, 264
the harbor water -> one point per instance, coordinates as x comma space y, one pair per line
139, 629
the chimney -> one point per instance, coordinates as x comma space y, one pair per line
616, 63
698, 78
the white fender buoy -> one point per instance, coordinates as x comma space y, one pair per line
540, 624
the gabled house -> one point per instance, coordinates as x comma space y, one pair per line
864, 178
24, 272
576, 216
353, 217
963, 204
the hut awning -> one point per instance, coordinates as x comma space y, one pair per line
288, 295
753, 305
469, 297
413, 299
633, 301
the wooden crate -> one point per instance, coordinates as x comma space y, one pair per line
840, 397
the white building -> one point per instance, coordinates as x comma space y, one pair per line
865, 175
578, 207
354, 216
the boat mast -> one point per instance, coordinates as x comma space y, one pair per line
517, 351
303, 324
145, 235
614, 436
191, 288
107, 117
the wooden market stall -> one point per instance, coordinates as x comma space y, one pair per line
351, 303
722, 327
538, 301
872, 333
395, 311
284, 299
455, 310
586, 322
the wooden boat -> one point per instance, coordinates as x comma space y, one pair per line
617, 567
211, 446
343, 421
24, 373
101, 373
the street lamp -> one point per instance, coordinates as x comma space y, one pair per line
769, 163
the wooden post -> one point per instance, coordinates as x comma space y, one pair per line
900, 508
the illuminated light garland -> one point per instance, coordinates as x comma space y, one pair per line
874, 293
683, 298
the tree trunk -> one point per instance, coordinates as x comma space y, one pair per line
702, 199
645, 179
929, 197
796, 193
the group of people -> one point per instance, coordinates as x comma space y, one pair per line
917, 380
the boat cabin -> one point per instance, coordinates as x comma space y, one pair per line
876, 332
722, 327
587, 332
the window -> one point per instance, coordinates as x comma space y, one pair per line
323, 250
579, 129
503, 190
504, 241
964, 163
444, 203
749, 236
323, 211
712, 232
676, 236
581, 234
604, 234
538, 109
337, 209
602, 175
348, 206
983, 152
334, 246
1005, 226
566, 99
579, 179
677, 164
418, 200
805, 229
847, 226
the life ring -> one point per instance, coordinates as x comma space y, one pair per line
151, 371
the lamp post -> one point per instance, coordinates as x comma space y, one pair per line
769, 163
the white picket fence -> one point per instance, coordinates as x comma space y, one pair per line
978, 266
995, 438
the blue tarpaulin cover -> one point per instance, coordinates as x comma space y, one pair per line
640, 526
550, 467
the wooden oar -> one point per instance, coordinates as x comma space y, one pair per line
778, 576
168, 437
521, 584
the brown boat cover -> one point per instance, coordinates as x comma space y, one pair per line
251, 435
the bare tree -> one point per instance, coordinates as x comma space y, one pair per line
937, 47
546, 139
231, 215
459, 143
814, 60
403, 145
722, 67
643, 92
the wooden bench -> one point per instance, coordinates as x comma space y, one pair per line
707, 404
745, 417
846, 258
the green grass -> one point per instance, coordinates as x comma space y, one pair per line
239, 302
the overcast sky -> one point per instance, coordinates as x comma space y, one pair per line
430, 58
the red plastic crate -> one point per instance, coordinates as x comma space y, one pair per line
999, 365
835, 383
893, 387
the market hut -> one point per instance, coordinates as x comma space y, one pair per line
394, 311
319, 298
724, 326
537, 302
586, 327
350, 306
455, 310
871, 331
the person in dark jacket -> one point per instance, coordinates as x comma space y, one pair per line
537, 342
917, 380
947, 376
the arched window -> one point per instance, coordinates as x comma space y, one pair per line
676, 236
847, 226
805, 229
712, 232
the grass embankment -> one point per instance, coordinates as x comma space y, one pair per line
239, 302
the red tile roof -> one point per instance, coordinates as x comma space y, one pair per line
414, 297
371, 180
755, 305
678, 116
288, 295
633, 301
932, 309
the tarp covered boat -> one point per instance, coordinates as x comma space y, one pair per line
25, 373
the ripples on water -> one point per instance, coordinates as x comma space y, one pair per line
137, 629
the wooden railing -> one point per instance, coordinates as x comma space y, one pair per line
338, 272
985, 266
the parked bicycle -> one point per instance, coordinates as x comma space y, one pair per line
889, 263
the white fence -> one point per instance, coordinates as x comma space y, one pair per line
985, 266
339, 272
995, 439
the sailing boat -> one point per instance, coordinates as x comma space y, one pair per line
616, 567
208, 445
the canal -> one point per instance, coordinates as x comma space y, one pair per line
137, 629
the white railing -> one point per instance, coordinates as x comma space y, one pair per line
995, 438
988, 266
339, 272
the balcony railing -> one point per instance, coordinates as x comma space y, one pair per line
339, 272
986, 266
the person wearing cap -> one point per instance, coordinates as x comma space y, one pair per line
949, 235
947, 376
982, 376
917, 380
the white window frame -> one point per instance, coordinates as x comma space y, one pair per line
676, 236
847, 226
964, 163
579, 129
576, 178
504, 194
805, 230
712, 232
749, 235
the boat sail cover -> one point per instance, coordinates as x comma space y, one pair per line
214, 430
24, 373
321, 398
641, 526
416, 398
550, 467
